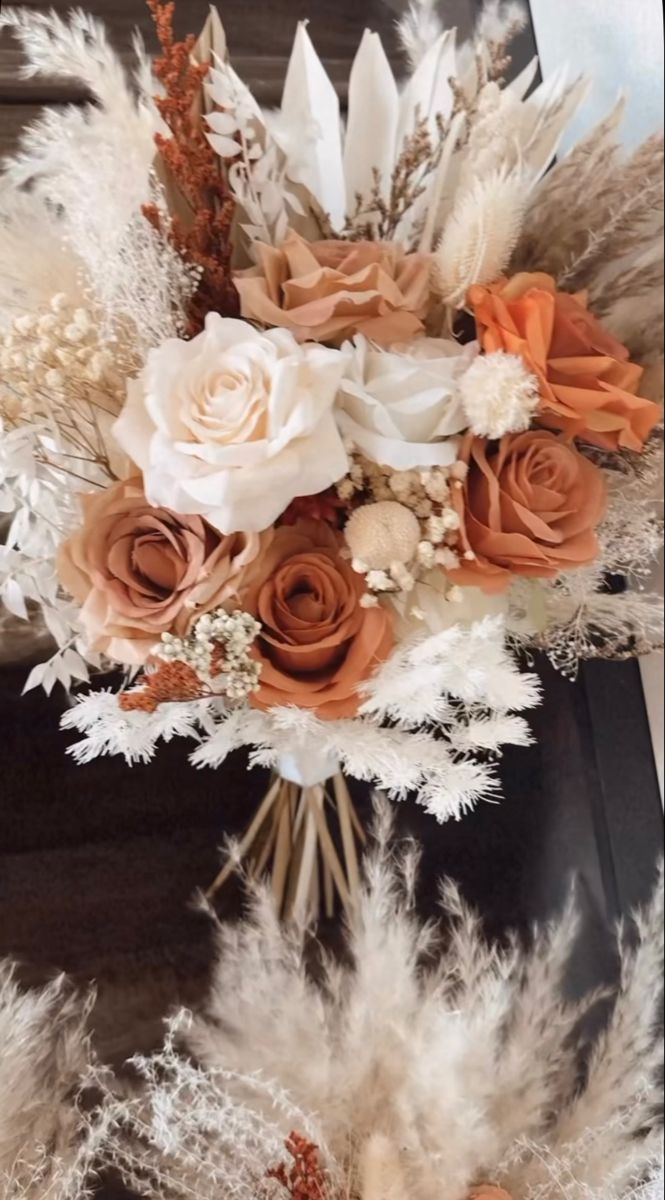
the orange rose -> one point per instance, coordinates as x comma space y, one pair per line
328, 291
317, 643
588, 386
140, 571
530, 506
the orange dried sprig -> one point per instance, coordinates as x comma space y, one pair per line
169, 682
305, 1179
204, 239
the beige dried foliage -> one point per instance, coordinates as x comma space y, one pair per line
594, 206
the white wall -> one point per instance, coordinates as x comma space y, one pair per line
619, 44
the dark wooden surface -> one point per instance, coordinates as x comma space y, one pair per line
99, 864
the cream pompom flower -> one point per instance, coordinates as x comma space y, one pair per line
381, 534
499, 395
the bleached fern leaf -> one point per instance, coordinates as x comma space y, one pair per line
480, 235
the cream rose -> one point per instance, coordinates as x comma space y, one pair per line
234, 424
400, 407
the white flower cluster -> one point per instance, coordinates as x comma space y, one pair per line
236, 633
47, 350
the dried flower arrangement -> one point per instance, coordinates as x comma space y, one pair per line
313, 423
429, 1065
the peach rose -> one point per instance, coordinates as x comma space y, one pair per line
328, 291
318, 643
588, 385
529, 506
140, 571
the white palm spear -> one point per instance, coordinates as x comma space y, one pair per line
345, 165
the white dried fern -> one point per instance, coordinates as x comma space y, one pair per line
462, 680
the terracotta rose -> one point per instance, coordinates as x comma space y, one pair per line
328, 291
140, 571
317, 643
588, 386
529, 506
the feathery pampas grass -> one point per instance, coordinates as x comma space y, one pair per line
427, 1063
94, 167
596, 221
44, 1053
423, 1064
419, 29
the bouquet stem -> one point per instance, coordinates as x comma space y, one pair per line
293, 837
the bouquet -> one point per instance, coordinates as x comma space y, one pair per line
427, 1065
311, 421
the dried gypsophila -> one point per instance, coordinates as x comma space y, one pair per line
389, 553
214, 660
59, 373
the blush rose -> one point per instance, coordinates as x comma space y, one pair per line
328, 291
140, 571
234, 424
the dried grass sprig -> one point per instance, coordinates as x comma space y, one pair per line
377, 219
200, 230
592, 207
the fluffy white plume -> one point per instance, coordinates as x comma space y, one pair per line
44, 1053
433, 1061
419, 29
93, 165
35, 264
499, 19
480, 234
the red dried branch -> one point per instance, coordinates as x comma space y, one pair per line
204, 237
305, 1179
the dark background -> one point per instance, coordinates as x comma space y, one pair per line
98, 864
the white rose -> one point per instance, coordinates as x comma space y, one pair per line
400, 407
235, 424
